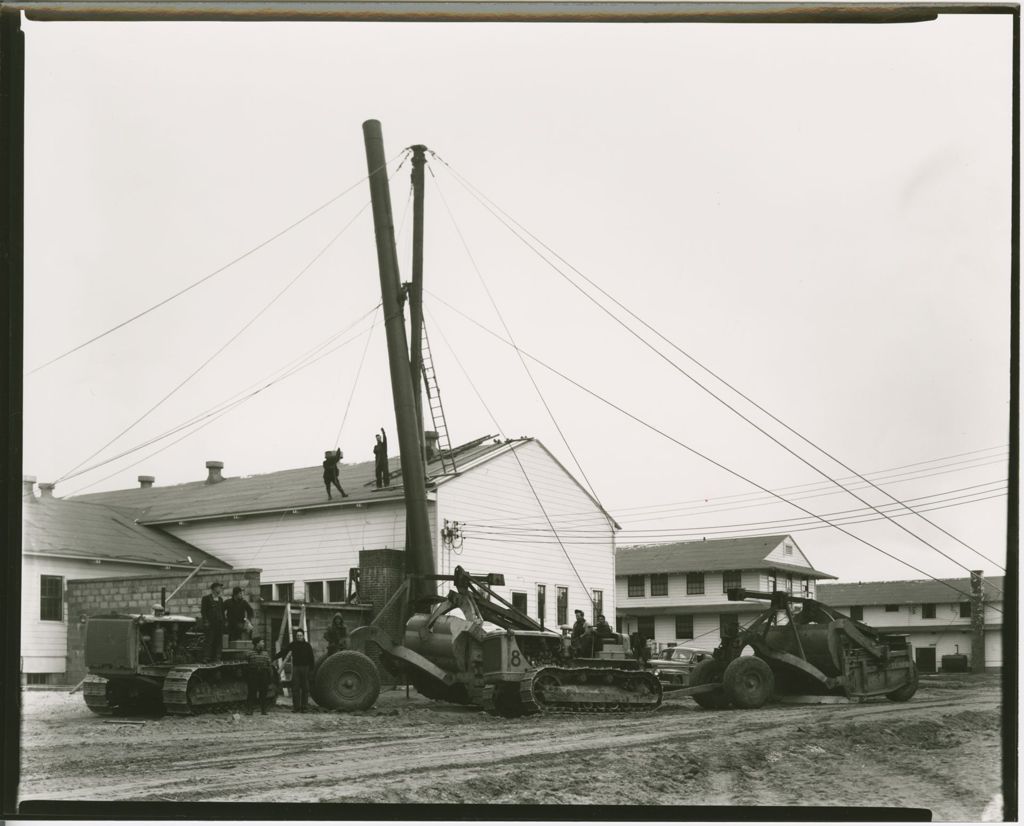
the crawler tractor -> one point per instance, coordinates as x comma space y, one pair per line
815, 651
474, 648
147, 662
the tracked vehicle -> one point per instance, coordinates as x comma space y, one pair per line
151, 662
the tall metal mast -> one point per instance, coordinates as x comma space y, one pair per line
419, 552
416, 288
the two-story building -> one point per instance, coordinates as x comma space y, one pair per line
675, 594
936, 614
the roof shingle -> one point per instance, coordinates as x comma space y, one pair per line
906, 591
712, 555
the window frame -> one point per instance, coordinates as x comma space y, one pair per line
892, 608
266, 592
686, 617
291, 591
542, 598
966, 610
632, 585
343, 583
732, 620
928, 610
857, 613
598, 595
737, 575
662, 580
562, 605
49, 602
526, 600
311, 586
692, 584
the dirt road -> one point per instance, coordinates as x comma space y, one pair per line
939, 751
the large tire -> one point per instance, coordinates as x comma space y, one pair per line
901, 695
709, 671
346, 681
748, 682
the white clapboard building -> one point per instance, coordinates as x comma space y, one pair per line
305, 544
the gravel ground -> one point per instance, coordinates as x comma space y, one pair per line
940, 751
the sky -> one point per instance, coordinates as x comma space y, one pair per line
818, 214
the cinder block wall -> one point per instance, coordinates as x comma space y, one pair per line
138, 595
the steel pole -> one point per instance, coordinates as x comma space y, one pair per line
419, 551
416, 291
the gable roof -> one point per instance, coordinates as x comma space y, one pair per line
711, 555
296, 489
91, 530
907, 591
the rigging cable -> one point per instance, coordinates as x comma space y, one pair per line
486, 203
694, 451
355, 383
208, 276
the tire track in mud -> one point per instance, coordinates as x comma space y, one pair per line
305, 770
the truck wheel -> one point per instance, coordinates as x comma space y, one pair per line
904, 693
748, 682
709, 671
346, 681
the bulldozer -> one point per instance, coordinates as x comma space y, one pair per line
810, 652
472, 647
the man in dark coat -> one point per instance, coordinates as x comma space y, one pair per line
580, 641
237, 611
212, 611
380, 460
259, 673
336, 635
331, 473
302, 667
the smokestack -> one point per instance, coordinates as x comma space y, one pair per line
46, 490
146, 481
215, 469
430, 443
27, 487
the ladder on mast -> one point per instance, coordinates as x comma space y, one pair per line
444, 447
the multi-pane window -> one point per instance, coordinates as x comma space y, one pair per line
857, 612
542, 600
598, 604
266, 593
336, 590
519, 601
965, 610
285, 591
684, 626
891, 609
928, 610
695, 583
562, 603
659, 585
789, 583
731, 579
51, 598
773, 580
635, 585
314, 592
728, 625
805, 586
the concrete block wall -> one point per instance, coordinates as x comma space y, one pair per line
137, 595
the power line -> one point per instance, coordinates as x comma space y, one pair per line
694, 451
206, 277
355, 382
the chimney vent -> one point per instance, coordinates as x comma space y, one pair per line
146, 481
27, 485
215, 468
46, 490
430, 442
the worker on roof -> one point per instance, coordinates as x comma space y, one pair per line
336, 635
381, 471
331, 472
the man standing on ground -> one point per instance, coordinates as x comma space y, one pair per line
302, 666
258, 673
331, 473
380, 460
212, 609
239, 613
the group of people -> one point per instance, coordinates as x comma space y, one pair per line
586, 641
235, 616
381, 470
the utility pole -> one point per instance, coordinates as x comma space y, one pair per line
419, 160
419, 552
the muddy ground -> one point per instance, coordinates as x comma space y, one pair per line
940, 751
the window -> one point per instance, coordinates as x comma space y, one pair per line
805, 586
598, 604
728, 625
266, 593
37, 679
789, 583
336, 590
731, 579
645, 627
284, 591
965, 610
542, 599
618, 625
891, 609
684, 626
519, 601
695, 583
635, 586
51, 598
659, 585
787, 549
857, 612
562, 603
773, 580
314, 592
928, 610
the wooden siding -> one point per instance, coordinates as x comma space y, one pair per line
796, 558
44, 643
714, 592
505, 531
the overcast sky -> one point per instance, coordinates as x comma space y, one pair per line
820, 214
